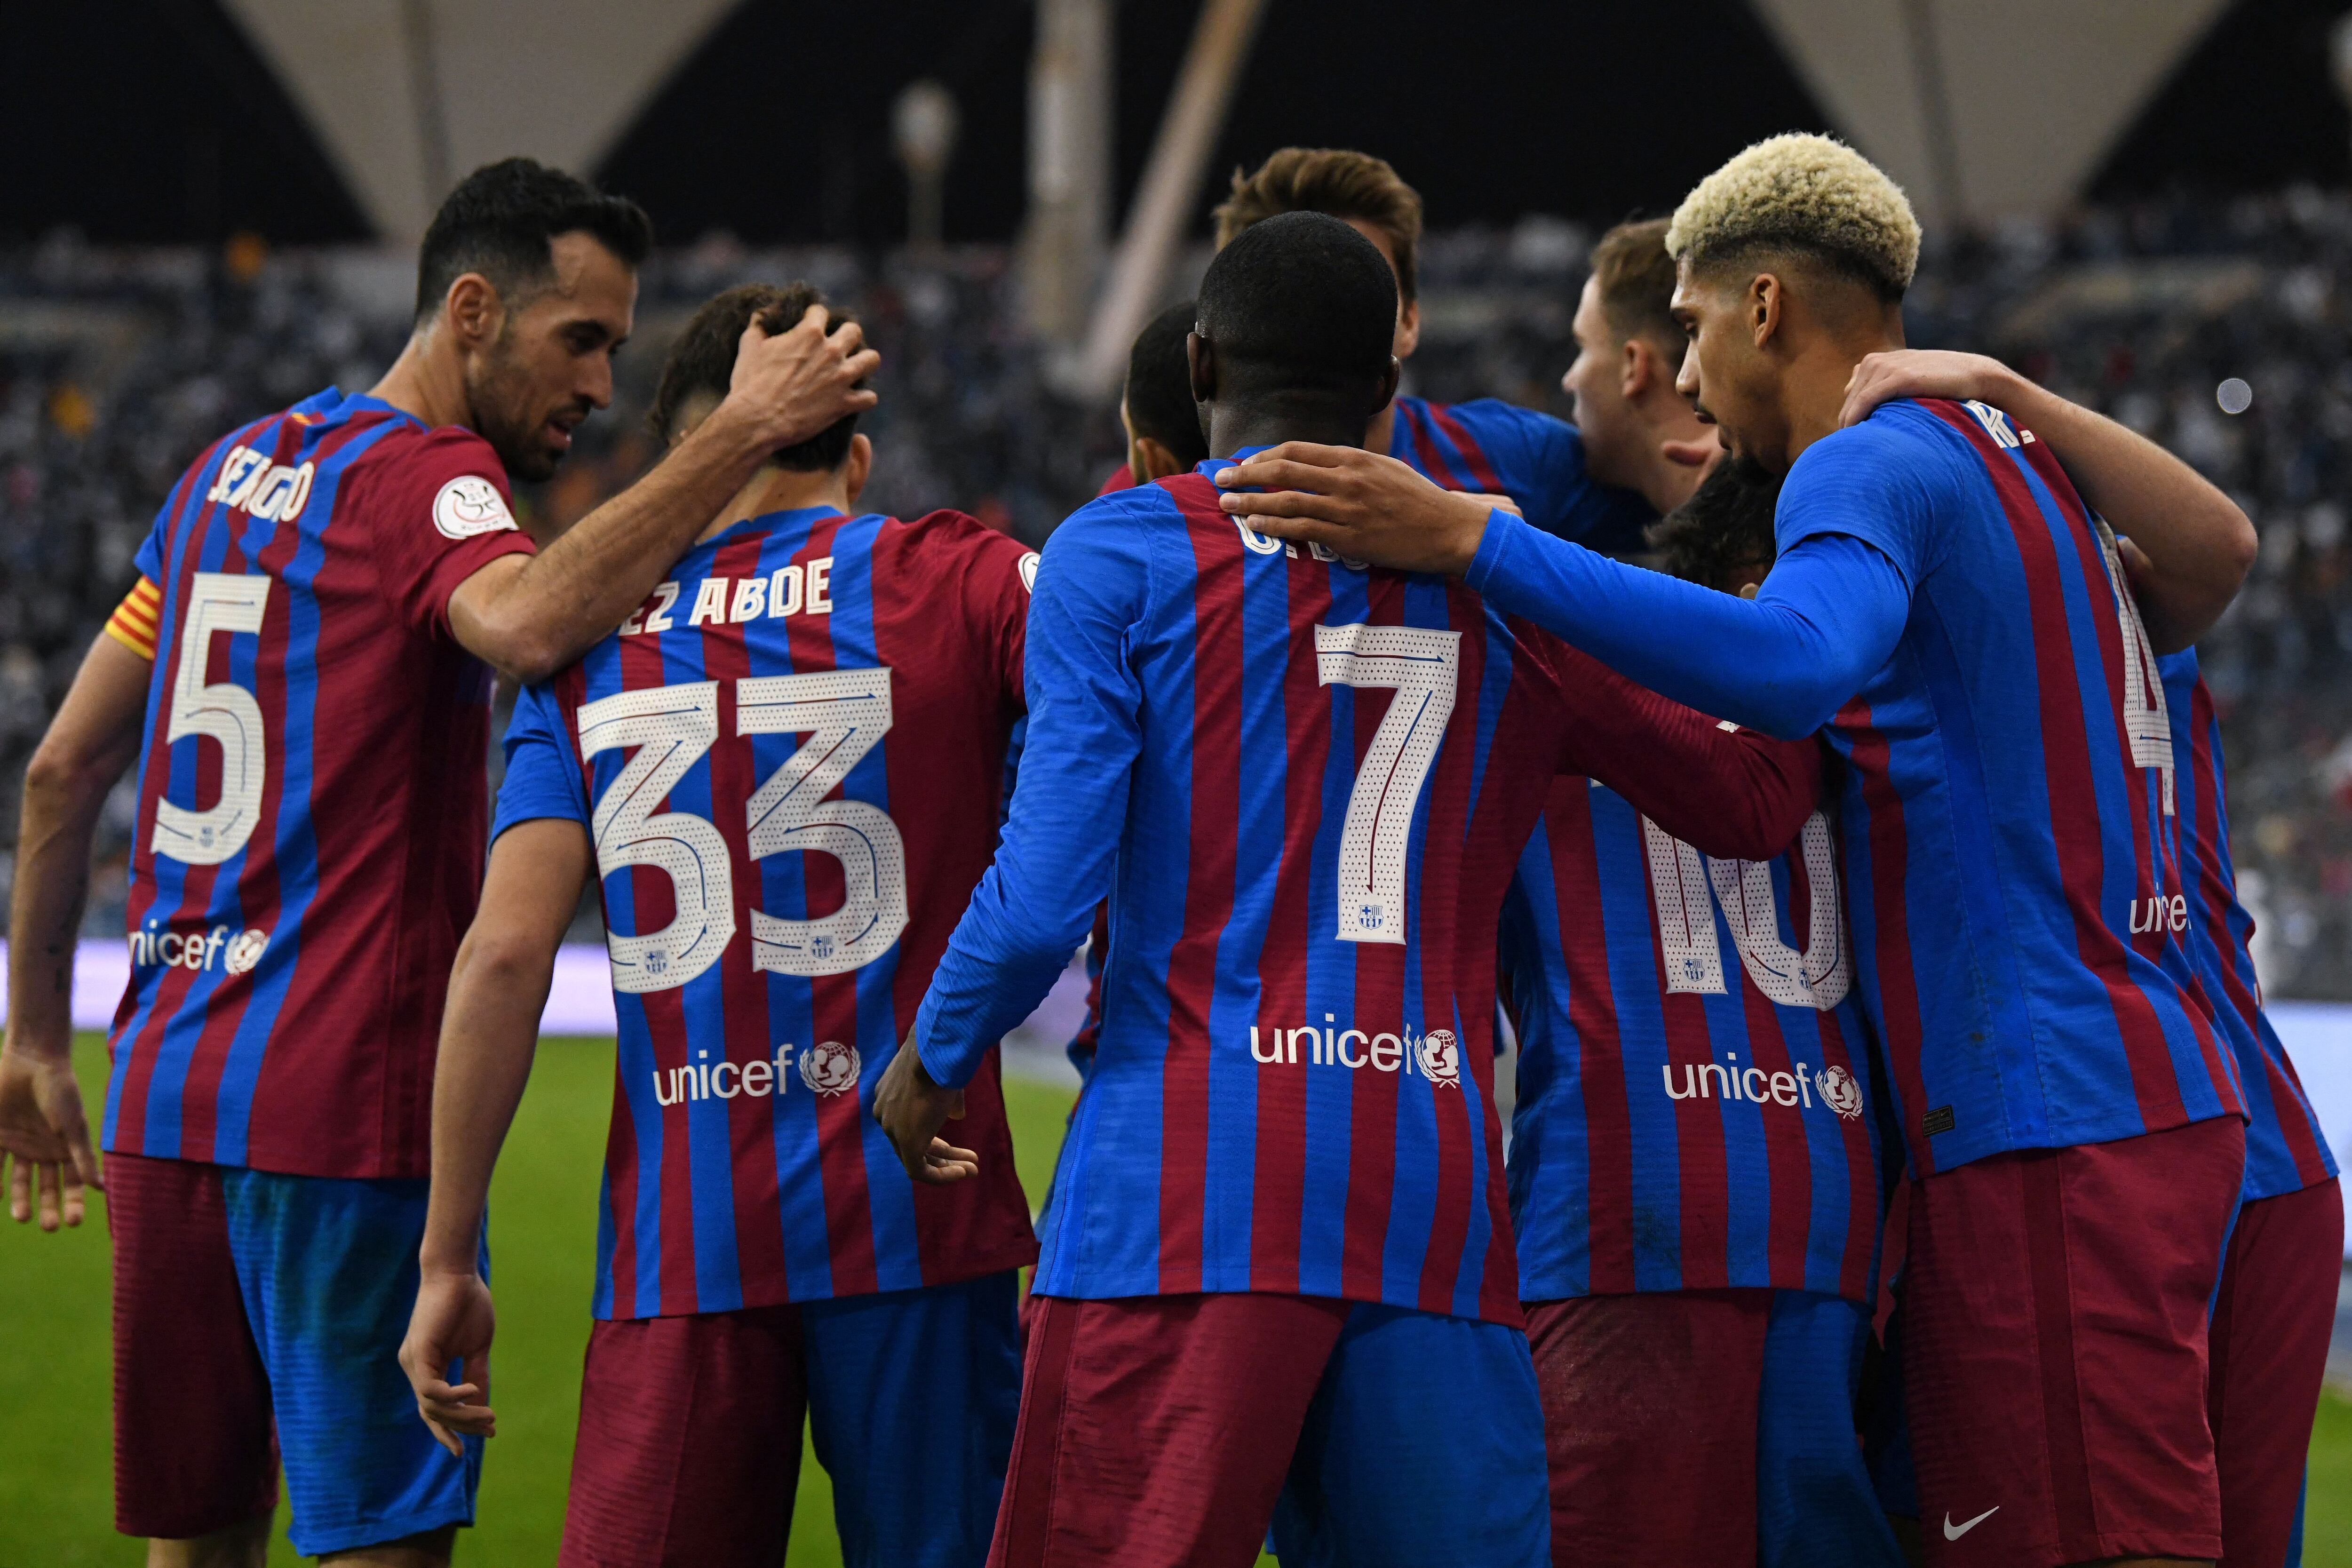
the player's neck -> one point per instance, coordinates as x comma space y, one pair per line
773, 490
1814, 386
427, 382
1235, 428
1661, 481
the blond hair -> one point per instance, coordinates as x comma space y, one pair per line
1334, 181
1805, 192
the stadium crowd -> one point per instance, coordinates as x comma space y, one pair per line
117, 367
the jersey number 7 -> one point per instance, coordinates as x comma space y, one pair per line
1423, 667
844, 713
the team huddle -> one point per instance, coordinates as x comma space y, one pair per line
1802, 757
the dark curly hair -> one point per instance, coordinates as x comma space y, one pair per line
1723, 532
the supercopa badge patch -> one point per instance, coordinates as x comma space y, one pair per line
470, 505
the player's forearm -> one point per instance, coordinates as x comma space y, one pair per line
488, 1037
93, 738
1737, 795
587, 581
1782, 663
2197, 540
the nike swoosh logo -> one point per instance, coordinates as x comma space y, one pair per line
1954, 1531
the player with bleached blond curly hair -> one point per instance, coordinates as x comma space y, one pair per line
1951, 609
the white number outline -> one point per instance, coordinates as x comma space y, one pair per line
2147, 723
845, 713
671, 727
1685, 897
226, 712
1423, 666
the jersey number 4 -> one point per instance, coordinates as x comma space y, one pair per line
844, 713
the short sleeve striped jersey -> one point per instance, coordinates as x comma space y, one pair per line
791, 761
312, 797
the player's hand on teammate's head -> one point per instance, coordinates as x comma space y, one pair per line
798, 381
452, 1326
912, 1108
45, 1138
1364, 506
1920, 372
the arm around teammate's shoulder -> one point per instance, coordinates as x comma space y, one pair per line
1733, 792
2197, 544
530, 616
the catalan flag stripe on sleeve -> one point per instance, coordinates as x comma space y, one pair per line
133, 622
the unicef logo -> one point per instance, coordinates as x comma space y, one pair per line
830, 1067
1440, 1057
245, 951
1840, 1092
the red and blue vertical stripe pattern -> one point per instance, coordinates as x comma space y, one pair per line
2285, 1150
2007, 809
1275, 1106
308, 848
744, 1167
1495, 448
1677, 1128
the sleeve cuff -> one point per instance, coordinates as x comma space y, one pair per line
1501, 524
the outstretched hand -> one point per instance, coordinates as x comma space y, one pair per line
912, 1108
1358, 504
1922, 372
44, 1137
795, 384
453, 1324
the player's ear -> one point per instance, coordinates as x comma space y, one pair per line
1390, 380
1638, 368
859, 464
474, 310
1408, 329
1200, 359
1766, 302
1154, 460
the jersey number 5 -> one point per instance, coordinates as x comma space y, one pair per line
1423, 667
844, 713
223, 710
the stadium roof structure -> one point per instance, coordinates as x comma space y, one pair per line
770, 118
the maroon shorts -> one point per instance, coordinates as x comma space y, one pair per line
2054, 1349
2271, 1325
194, 1448
1649, 1402
1163, 1431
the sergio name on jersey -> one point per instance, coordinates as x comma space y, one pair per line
1313, 780
1698, 1106
791, 760
312, 801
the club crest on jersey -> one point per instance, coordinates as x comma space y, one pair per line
469, 505
1840, 1092
1440, 1056
830, 1067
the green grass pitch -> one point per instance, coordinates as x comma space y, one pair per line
56, 1486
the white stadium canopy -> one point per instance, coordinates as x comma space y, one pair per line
1981, 108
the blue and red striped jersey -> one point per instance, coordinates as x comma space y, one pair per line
1698, 1099
2285, 1150
2007, 806
311, 793
1302, 785
1500, 449
791, 760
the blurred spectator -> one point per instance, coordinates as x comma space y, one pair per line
117, 367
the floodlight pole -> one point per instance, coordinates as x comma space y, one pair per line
1172, 184
1070, 136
